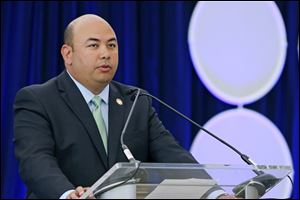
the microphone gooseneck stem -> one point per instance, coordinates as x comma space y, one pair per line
126, 150
244, 157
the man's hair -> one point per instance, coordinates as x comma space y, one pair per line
68, 35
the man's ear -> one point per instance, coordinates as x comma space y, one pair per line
66, 52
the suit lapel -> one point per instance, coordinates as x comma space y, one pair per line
74, 99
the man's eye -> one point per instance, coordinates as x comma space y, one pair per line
93, 45
112, 45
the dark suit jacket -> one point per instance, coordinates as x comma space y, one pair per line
58, 145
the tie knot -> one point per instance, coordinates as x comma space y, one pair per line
96, 101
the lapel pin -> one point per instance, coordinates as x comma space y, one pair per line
119, 101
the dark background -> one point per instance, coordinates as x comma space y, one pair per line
154, 55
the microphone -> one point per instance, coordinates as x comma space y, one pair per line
261, 182
98, 191
242, 155
126, 150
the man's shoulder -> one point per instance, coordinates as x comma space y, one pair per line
43, 88
124, 89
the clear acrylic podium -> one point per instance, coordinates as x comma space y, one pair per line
185, 181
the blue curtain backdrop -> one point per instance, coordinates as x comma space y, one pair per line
153, 55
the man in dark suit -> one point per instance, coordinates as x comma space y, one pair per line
63, 145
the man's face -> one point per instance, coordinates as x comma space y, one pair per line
94, 59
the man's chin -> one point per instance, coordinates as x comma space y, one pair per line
104, 81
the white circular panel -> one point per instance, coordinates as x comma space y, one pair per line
252, 134
238, 48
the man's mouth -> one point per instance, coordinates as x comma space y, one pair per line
104, 68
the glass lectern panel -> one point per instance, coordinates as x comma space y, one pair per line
151, 180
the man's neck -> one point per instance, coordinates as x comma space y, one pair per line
95, 89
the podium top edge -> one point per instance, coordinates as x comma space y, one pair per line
204, 166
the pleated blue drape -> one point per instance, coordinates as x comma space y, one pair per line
153, 55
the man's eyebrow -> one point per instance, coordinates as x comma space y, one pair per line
92, 39
97, 40
112, 39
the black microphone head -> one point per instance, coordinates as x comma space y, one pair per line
131, 90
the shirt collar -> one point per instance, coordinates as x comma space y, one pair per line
88, 95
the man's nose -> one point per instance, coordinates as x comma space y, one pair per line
104, 53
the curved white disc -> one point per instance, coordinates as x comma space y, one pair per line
252, 134
238, 48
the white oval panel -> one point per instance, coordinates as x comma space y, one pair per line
238, 48
252, 134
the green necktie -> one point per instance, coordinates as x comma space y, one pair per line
96, 110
